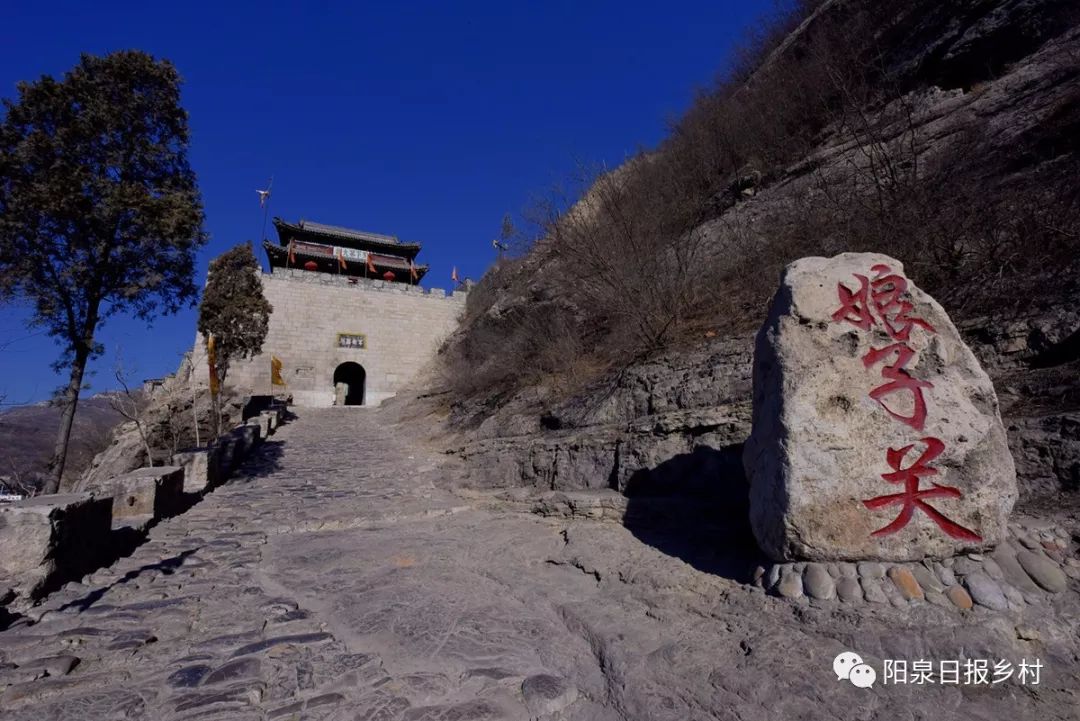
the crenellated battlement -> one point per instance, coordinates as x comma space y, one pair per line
300, 275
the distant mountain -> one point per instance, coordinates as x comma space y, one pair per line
28, 435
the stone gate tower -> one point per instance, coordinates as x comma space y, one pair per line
350, 323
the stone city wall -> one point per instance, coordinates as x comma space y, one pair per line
401, 325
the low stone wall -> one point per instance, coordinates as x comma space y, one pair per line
145, 496
200, 467
47, 541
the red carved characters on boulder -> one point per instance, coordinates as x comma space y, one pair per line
911, 497
885, 295
855, 305
899, 380
881, 302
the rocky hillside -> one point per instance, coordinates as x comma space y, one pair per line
28, 436
616, 352
168, 414
573, 539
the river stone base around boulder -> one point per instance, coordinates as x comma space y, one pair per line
959, 583
876, 434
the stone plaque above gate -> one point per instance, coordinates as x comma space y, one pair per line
351, 340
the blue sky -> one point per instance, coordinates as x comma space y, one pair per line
425, 120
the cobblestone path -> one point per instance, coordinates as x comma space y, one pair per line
340, 576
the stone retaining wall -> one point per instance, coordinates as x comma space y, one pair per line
49, 540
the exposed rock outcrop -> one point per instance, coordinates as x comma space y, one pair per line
1031, 349
674, 424
168, 420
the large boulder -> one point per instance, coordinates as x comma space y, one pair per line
46, 541
876, 434
126, 453
200, 467
144, 495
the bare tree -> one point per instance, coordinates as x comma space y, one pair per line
17, 480
173, 428
132, 406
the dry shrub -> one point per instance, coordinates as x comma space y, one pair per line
661, 248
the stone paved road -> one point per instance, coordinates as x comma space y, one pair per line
342, 577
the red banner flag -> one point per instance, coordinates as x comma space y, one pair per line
371, 264
453, 274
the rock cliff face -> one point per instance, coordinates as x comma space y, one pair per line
654, 447
984, 80
675, 424
679, 421
168, 421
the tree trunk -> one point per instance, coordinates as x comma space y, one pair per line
215, 409
146, 443
71, 400
217, 403
194, 400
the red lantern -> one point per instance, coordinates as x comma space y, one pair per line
388, 275
311, 265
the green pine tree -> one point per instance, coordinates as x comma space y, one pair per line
234, 311
100, 212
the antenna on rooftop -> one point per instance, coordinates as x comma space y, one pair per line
264, 203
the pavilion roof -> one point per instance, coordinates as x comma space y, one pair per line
345, 237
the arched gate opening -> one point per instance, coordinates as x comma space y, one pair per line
349, 384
